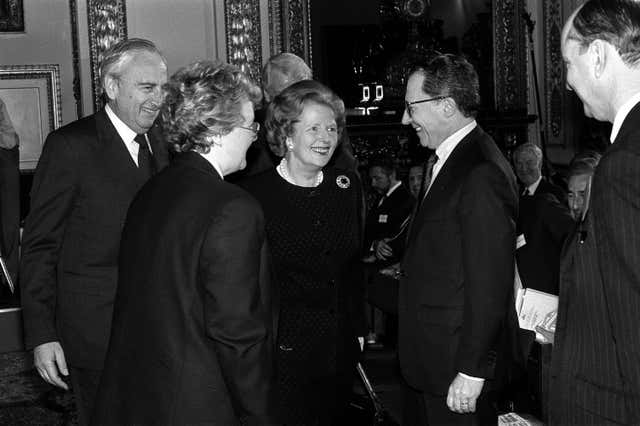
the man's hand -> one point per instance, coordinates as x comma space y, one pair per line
382, 249
546, 331
49, 359
463, 394
544, 336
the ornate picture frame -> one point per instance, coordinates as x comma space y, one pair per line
509, 56
243, 36
290, 28
31, 94
11, 16
107, 25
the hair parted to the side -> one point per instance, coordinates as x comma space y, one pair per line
614, 21
203, 100
286, 108
117, 55
528, 148
584, 163
292, 67
452, 76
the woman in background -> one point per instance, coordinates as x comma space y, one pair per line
314, 229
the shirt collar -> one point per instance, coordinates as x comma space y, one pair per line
449, 144
532, 188
393, 188
622, 114
126, 134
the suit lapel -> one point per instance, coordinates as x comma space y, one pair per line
115, 158
158, 146
453, 168
443, 186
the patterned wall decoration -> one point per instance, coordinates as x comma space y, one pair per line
107, 25
275, 27
75, 52
290, 27
244, 42
11, 16
565, 124
510, 63
554, 88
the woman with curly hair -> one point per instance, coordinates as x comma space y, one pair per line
314, 229
190, 342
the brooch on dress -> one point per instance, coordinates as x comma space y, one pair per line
343, 182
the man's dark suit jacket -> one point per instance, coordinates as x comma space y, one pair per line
191, 336
9, 213
386, 220
595, 371
459, 268
545, 223
82, 188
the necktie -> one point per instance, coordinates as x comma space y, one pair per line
145, 159
427, 170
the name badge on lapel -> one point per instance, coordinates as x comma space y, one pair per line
383, 218
520, 242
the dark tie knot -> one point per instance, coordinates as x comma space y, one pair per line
145, 159
142, 141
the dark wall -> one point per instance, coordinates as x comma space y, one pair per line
348, 13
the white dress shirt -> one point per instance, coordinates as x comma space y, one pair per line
531, 189
622, 113
126, 134
446, 148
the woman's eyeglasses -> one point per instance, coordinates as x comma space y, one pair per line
255, 127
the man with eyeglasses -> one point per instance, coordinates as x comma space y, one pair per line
458, 266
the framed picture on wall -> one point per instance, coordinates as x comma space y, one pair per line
11, 16
31, 95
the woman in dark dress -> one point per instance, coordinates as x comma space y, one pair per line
314, 230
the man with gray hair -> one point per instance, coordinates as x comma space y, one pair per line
87, 175
280, 72
595, 365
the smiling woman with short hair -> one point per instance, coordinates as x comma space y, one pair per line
314, 230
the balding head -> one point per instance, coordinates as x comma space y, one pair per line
281, 71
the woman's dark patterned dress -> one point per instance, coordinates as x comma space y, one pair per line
314, 236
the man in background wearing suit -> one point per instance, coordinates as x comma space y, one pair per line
543, 223
390, 215
87, 176
9, 200
595, 371
458, 265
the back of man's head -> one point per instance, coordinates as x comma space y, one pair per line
614, 21
281, 71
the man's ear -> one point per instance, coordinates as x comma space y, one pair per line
599, 56
450, 107
111, 86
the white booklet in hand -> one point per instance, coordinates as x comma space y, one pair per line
534, 307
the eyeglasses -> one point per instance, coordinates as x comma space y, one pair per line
407, 105
255, 127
